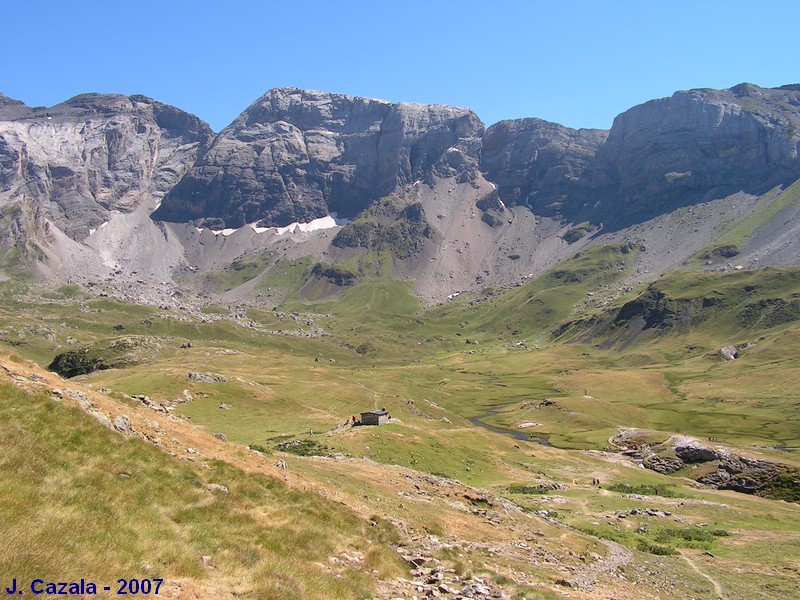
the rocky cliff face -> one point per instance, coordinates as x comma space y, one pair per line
93, 156
538, 164
298, 155
696, 145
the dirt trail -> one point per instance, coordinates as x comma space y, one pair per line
717, 587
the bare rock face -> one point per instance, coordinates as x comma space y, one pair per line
697, 145
663, 464
536, 163
94, 155
298, 155
693, 146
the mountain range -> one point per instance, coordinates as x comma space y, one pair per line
131, 194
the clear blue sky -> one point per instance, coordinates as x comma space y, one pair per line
579, 63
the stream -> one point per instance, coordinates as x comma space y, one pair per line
518, 435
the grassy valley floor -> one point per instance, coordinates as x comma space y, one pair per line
542, 505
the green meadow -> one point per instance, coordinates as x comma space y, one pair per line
459, 380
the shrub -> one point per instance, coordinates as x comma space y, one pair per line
529, 489
302, 448
644, 489
656, 549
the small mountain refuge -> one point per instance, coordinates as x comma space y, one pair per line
375, 417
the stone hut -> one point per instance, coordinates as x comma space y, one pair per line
375, 417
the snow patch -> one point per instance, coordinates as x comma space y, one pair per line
327, 222
93, 230
453, 295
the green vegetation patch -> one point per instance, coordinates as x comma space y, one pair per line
240, 271
656, 549
519, 488
579, 231
689, 535
387, 225
339, 275
665, 491
303, 447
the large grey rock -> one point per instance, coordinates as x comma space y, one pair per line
692, 451
207, 377
297, 155
663, 464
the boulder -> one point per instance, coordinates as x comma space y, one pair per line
122, 423
207, 377
663, 464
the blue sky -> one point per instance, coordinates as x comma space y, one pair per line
578, 63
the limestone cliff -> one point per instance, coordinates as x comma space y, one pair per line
93, 156
297, 155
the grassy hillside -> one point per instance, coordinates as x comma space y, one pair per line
80, 501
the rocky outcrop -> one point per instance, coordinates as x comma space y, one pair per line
94, 155
115, 354
692, 451
663, 464
207, 377
752, 476
297, 155
401, 230
724, 469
